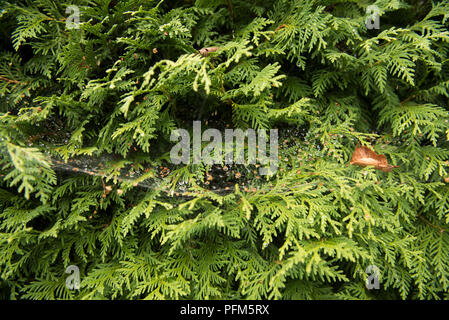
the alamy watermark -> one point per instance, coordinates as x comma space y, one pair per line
372, 281
373, 18
213, 153
73, 20
73, 280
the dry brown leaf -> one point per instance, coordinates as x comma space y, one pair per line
363, 156
205, 51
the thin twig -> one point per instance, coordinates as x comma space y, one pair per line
431, 224
230, 9
11, 81
407, 99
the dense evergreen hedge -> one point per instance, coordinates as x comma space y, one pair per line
86, 115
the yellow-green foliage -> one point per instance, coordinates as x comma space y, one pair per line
114, 89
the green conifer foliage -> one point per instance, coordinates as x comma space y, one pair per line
110, 92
